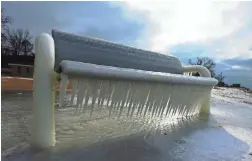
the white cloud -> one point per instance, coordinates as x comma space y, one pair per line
174, 22
236, 67
239, 67
236, 45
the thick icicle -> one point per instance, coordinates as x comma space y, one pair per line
87, 96
63, 85
74, 90
124, 97
109, 92
81, 92
131, 96
102, 92
143, 98
95, 85
113, 97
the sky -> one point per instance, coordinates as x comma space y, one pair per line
185, 29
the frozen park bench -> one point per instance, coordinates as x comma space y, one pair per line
113, 76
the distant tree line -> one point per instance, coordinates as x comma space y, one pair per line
210, 65
16, 45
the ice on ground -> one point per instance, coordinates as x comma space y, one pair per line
227, 135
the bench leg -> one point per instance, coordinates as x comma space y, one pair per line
205, 108
43, 130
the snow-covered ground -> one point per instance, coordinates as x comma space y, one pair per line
232, 107
232, 95
225, 135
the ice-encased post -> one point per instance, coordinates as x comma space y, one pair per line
204, 72
205, 108
43, 130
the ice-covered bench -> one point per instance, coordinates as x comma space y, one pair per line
113, 76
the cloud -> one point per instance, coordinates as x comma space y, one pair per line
236, 67
236, 45
247, 63
216, 25
98, 19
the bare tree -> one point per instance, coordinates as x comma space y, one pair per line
5, 20
19, 41
206, 62
27, 47
220, 77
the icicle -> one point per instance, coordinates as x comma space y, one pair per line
74, 90
81, 93
176, 101
109, 92
126, 88
166, 96
156, 99
95, 86
149, 98
113, 97
166, 102
134, 98
129, 96
188, 90
183, 100
143, 98
104, 91
133, 90
121, 97
196, 100
63, 85
87, 96
170, 103
118, 92
160, 97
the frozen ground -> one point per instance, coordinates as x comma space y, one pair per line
225, 135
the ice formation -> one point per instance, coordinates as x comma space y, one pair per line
133, 98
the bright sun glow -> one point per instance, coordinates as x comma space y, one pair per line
182, 21
216, 25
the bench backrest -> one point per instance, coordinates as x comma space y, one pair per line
101, 52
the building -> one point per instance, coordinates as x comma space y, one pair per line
18, 70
